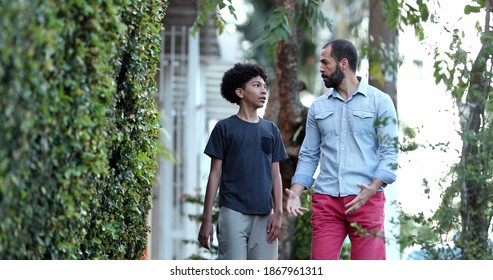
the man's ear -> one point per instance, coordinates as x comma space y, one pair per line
344, 63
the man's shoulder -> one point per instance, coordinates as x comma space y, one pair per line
380, 96
323, 97
374, 90
323, 102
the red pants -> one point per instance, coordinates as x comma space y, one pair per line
330, 226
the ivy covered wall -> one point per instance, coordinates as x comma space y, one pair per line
78, 127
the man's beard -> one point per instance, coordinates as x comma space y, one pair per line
334, 80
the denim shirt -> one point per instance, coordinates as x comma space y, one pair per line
354, 141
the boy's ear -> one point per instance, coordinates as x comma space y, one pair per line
239, 92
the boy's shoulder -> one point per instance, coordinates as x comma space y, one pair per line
237, 122
227, 120
267, 122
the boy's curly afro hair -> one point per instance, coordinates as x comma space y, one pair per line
237, 77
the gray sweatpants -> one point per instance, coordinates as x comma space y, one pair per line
244, 237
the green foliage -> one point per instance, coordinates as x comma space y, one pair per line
277, 28
79, 127
303, 230
408, 142
452, 67
469, 9
429, 237
400, 13
387, 56
211, 9
305, 14
466, 207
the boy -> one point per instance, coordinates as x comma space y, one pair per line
245, 151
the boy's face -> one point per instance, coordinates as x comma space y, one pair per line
254, 94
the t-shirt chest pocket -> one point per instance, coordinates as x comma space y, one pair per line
327, 122
363, 122
267, 145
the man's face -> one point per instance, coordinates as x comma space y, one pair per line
334, 80
332, 74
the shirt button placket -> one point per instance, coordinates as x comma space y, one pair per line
342, 149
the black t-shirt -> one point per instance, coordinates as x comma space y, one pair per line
247, 151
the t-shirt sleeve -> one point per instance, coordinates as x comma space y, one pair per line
216, 144
279, 151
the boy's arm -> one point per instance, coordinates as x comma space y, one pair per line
206, 233
274, 227
277, 188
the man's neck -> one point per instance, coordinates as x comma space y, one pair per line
348, 86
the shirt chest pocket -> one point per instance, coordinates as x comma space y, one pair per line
363, 122
267, 145
327, 122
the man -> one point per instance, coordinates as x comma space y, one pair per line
352, 132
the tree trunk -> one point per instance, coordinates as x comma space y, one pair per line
474, 207
382, 38
476, 188
288, 113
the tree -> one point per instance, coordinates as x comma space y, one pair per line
383, 52
470, 82
286, 109
466, 207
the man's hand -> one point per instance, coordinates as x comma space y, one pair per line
367, 191
293, 205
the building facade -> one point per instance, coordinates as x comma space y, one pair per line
190, 103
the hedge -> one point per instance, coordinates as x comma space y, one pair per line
78, 127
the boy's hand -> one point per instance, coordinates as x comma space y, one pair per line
274, 227
206, 235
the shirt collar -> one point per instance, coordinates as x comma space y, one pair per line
362, 88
